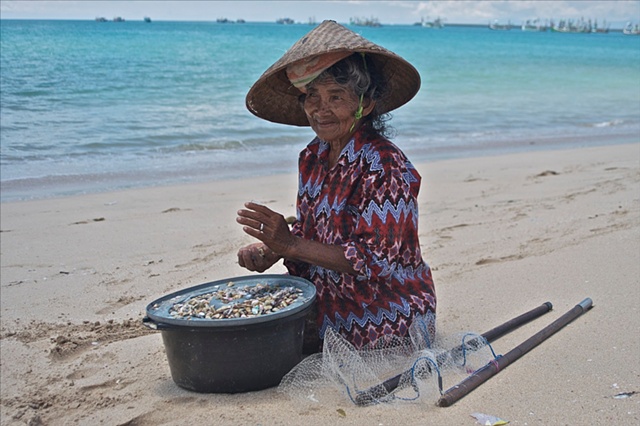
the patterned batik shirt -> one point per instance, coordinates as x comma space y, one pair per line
367, 203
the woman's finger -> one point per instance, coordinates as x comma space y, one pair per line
260, 208
247, 259
254, 258
252, 215
253, 223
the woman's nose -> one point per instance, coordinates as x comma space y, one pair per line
323, 105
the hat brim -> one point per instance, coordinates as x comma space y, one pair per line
275, 99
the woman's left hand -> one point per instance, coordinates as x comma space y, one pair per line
256, 257
267, 226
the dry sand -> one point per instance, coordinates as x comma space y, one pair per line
503, 235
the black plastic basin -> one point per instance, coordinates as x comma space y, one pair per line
232, 355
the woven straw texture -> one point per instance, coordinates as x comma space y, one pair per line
275, 99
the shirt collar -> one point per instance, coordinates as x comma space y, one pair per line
346, 157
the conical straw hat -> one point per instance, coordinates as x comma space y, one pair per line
274, 98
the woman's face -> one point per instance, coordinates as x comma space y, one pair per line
331, 110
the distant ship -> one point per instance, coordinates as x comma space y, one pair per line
286, 21
534, 25
365, 22
631, 29
118, 19
147, 19
571, 26
229, 21
496, 26
436, 23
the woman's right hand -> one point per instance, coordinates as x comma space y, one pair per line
257, 257
267, 226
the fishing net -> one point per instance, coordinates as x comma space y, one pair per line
394, 370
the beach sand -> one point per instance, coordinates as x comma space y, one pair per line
503, 235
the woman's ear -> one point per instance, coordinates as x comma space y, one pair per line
368, 106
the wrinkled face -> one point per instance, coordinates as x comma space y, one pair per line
331, 109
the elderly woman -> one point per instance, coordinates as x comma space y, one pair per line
356, 232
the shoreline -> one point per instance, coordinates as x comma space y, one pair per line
79, 185
503, 234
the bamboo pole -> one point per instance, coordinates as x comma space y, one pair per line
368, 396
480, 376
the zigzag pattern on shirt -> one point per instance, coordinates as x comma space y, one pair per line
311, 188
337, 279
327, 208
347, 324
395, 271
319, 271
326, 277
409, 176
423, 301
408, 209
322, 145
371, 156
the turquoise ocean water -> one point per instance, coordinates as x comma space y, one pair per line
88, 106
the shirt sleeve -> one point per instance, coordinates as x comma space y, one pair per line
297, 268
386, 224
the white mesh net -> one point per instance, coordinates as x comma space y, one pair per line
393, 370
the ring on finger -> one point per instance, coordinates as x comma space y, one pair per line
261, 227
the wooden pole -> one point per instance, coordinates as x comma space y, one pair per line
480, 376
368, 396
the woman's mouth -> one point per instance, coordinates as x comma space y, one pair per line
324, 123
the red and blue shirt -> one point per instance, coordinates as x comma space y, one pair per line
367, 203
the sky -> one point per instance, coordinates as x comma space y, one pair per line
615, 12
